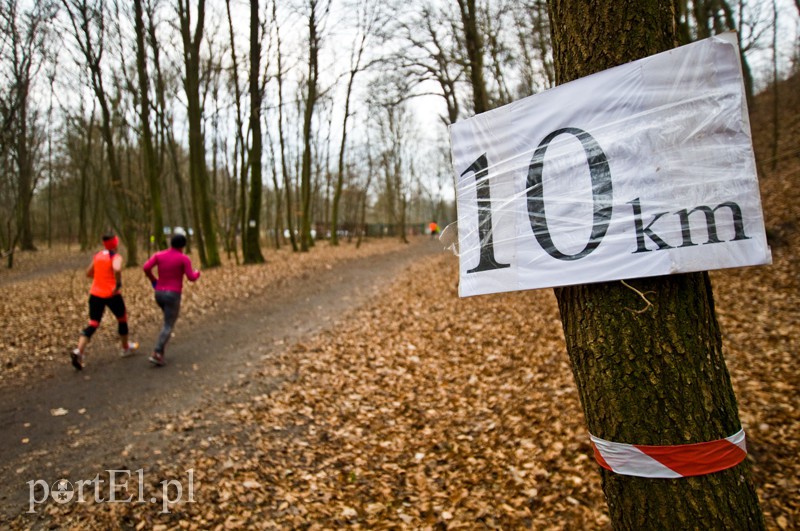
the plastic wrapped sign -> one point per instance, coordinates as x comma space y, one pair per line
641, 170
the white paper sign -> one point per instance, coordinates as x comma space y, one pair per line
645, 169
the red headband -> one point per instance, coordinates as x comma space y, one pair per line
111, 244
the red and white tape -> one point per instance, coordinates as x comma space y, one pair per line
677, 461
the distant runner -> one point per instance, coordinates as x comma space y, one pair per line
434, 228
106, 274
172, 265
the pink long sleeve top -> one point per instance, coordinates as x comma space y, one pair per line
172, 265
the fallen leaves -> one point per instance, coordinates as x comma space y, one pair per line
428, 410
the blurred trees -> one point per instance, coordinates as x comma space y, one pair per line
23, 51
88, 21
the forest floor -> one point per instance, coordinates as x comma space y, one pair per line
353, 388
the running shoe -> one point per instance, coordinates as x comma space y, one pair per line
157, 359
131, 350
77, 359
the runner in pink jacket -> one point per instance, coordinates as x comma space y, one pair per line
172, 266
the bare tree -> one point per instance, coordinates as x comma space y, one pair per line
532, 29
252, 248
700, 19
430, 51
149, 160
24, 35
367, 20
169, 158
392, 123
201, 199
317, 12
80, 145
88, 22
492, 19
287, 182
239, 146
775, 85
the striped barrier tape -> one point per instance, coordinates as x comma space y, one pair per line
669, 462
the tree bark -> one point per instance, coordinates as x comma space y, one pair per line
205, 227
252, 251
474, 45
355, 67
149, 161
311, 100
25, 174
241, 211
287, 181
653, 377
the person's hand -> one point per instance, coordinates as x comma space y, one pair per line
153, 283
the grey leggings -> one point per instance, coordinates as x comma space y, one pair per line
170, 303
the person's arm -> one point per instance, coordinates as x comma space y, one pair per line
148, 270
116, 265
90, 270
191, 274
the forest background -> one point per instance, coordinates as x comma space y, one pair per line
262, 124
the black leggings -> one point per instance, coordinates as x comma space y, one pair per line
97, 306
170, 303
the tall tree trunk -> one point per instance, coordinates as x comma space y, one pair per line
23, 53
775, 85
203, 211
83, 198
656, 377
472, 39
308, 114
287, 181
24, 174
337, 193
278, 202
240, 140
149, 161
252, 251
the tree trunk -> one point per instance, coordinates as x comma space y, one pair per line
775, 84
278, 202
240, 147
149, 161
287, 182
311, 100
205, 227
83, 198
474, 45
337, 193
24, 173
655, 377
252, 250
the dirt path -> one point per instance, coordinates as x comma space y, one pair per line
110, 406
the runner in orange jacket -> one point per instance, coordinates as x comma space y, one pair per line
434, 228
106, 274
